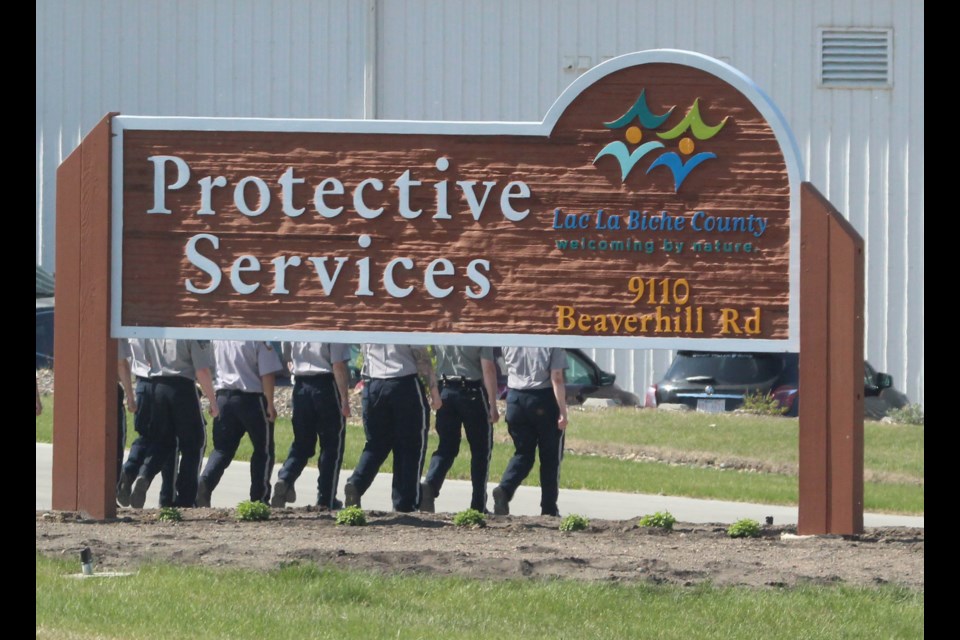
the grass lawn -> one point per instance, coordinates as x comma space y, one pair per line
603, 448
305, 601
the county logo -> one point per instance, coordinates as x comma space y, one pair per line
649, 122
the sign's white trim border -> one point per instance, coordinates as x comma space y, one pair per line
721, 70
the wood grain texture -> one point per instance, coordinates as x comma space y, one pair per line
530, 277
66, 362
85, 363
831, 445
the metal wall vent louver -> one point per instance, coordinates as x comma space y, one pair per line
856, 58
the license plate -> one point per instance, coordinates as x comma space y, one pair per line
711, 405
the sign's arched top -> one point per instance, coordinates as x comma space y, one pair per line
656, 205
725, 72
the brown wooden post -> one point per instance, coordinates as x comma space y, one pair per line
831, 369
66, 336
85, 359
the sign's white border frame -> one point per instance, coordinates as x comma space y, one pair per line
721, 70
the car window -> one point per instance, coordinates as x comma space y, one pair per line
726, 368
869, 375
578, 371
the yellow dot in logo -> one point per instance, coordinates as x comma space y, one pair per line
634, 134
686, 146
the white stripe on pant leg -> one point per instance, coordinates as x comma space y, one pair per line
203, 430
342, 444
176, 463
424, 432
486, 478
340, 449
268, 463
559, 460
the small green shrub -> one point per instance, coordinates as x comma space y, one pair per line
660, 519
744, 528
352, 517
574, 522
470, 518
762, 404
250, 510
169, 514
910, 414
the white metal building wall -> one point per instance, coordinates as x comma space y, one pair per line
508, 60
236, 58
863, 148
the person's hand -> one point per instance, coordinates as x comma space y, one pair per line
214, 410
562, 422
345, 408
271, 412
494, 413
435, 401
131, 403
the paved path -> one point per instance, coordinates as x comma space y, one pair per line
234, 488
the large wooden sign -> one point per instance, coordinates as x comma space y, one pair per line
656, 205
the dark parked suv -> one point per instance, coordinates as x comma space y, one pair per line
717, 381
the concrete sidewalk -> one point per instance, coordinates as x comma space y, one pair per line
455, 496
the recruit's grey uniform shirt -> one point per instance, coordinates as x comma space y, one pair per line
391, 360
152, 358
240, 363
463, 362
529, 367
312, 358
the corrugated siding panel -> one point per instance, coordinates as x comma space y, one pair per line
860, 147
908, 71
505, 60
284, 58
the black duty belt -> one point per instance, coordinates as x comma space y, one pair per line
367, 378
166, 379
236, 392
459, 382
313, 377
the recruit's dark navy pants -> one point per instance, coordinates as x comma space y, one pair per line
396, 418
316, 416
464, 405
532, 422
169, 419
242, 412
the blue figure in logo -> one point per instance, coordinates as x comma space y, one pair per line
623, 155
671, 160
